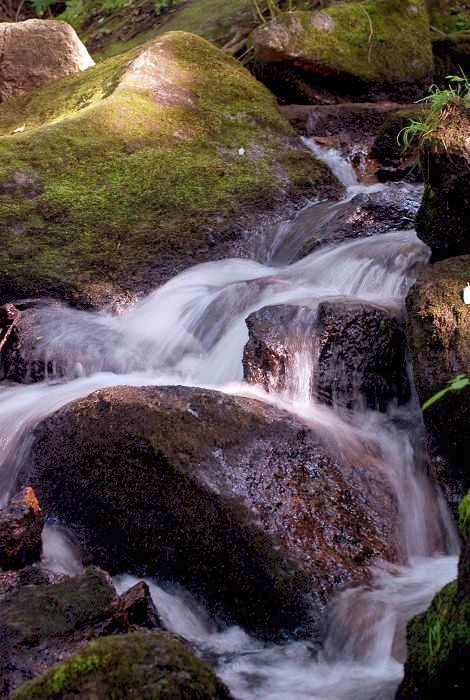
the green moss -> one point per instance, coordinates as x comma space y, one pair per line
33, 614
438, 642
131, 181
381, 41
464, 516
139, 665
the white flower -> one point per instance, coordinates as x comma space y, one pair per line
241, 151
466, 294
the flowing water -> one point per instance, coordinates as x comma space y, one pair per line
192, 331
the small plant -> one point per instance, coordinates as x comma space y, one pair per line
456, 384
457, 92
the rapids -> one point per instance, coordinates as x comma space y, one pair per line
192, 331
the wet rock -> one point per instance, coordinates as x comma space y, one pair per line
438, 329
35, 52
214, 160
356, 352
362, 356
29, 576
368, 214
443, 221
21, 524
42, 624
438, 640
132, 665
229, 496
139, 607
395, 161
309, 55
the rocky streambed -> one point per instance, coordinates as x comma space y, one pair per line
222, 485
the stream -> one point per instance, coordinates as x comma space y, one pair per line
192, 331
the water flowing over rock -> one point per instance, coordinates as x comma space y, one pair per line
439, 340
133, 665
443, 221
21, 524
35, 52
230, 496
161, 157
362, 49
351, 354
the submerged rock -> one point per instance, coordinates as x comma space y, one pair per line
439, 340
162, 157
21, 524
136, 665
229, 496
362, 49
35, 52
443, 221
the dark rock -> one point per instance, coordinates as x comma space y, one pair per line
443, 221
229, 496
358, 352
42, 624
138, 665
139, 607
368, 214
451, 55
395, 161
438, 330
362, 356
21, 524
29, 576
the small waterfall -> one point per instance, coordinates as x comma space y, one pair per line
192, 331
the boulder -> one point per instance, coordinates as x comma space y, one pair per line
438, 640
35, 575
367, 214
35, 52
438, 329
123, 175
231, 497
356, 352
443, 221
42, 624
362, 356
366, 50
21, 524
138, 665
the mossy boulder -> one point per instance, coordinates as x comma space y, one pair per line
229, 496
40, 624
443, 220
362, 49
139, 665
396, 161
439, 340
114, 180
438, 640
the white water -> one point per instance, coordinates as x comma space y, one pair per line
192, 331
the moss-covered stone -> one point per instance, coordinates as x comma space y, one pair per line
439, 340
443, 220
379, 45
138, 172
33, 614
139, 665
464, 516
438, 643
